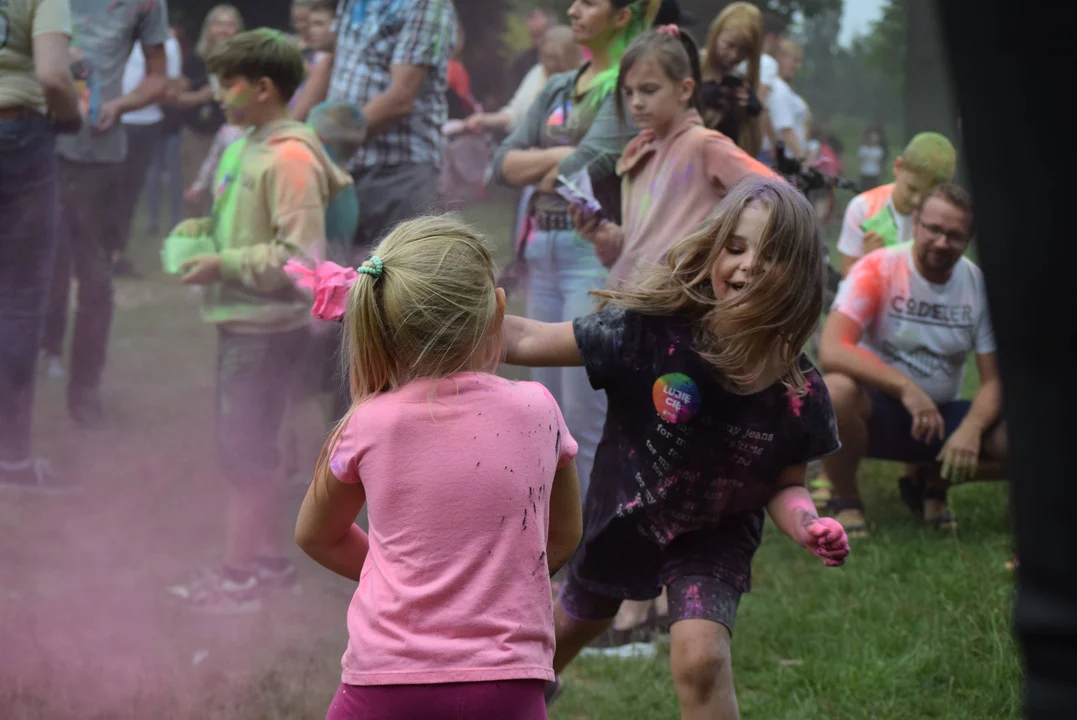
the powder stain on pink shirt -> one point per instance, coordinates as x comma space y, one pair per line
457, 476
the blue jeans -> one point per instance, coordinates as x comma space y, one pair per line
165, 162
562, 270
28, 215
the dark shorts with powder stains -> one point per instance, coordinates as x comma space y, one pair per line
704, 571
691, 597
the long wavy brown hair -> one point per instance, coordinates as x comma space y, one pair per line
765, 326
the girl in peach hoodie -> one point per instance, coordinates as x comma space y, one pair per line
675, 171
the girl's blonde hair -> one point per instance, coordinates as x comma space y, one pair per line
206, 45
746, 19
778, 311
429, 314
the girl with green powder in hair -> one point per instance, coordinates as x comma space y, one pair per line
572, 126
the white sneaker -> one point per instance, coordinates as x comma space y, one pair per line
215, 594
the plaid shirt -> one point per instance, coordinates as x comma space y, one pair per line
374, 35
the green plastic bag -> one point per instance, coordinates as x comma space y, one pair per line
179, 247
882, 224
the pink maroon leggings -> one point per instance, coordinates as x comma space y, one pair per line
503, 700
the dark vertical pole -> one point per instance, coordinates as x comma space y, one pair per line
1016, 126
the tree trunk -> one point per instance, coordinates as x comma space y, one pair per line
929, 92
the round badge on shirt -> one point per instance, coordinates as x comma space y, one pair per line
676, 398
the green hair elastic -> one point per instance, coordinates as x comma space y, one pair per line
373, 267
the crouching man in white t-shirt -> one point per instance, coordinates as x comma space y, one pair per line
893, 351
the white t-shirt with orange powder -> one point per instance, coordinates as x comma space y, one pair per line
923, 329
457, 476
864, 206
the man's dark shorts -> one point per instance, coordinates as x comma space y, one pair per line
890, 429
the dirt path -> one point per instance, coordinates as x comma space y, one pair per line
84, 618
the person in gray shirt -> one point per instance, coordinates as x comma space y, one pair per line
572, 126
105, 32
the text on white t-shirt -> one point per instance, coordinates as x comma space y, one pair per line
923, 329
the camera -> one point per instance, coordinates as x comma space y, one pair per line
806, 178
722, 95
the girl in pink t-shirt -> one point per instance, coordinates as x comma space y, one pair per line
468, 480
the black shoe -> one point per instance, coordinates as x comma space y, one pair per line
84, 407
124, 269
913, 491
36, 475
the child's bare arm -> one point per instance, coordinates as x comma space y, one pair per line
326, 529
208, 169
314, 90
793, 511
566, 518
538, 344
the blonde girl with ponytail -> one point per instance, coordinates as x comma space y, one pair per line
468, 480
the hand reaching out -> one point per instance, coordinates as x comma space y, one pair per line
201, 270
607, 237
108, 115
825, 538
960, 456
873, 241
585, 225
474, 123
927, 422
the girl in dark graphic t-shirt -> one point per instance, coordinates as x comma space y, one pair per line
713, 416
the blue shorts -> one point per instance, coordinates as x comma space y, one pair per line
890, 429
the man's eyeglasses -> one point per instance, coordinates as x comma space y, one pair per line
953, 237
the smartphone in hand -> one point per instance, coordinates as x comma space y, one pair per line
577, 191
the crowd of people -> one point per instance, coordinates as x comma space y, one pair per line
673, 278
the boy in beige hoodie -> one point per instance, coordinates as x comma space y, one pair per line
270, 197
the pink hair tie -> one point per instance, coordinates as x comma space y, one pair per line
671, 30
328, 282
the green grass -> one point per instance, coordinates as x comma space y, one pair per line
915, 626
